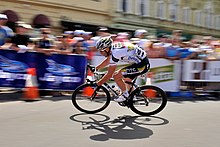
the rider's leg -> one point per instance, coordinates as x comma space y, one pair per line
118, 78
128, 86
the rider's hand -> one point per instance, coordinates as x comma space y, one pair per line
96, 85
93, 69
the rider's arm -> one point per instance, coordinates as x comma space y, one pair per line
104, 63
108, 75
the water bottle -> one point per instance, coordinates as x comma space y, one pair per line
116, 89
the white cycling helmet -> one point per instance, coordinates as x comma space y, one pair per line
104, 43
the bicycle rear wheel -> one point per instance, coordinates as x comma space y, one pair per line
90, 99
147, 100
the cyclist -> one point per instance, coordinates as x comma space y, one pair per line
124, 52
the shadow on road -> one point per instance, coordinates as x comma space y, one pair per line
7, 97
123, 127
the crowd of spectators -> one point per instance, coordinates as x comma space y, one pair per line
170, 46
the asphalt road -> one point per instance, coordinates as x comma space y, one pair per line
54, 122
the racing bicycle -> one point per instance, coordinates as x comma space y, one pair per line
143, 100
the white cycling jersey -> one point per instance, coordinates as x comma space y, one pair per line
126, 52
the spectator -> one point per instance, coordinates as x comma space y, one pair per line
63, 46
103, 32
9, 31
155, 50
205, 47
159, 47
113, 36
21, 41
217, 50
45, 44
70, 37
143, 43
215, 55
122, 37
172, 53
78, 48
3, 32
79, 33
186, 52
89, 45
163, 40
135, 41
177, 38
206, 43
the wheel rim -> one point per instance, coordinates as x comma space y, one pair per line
148, 100
84, 101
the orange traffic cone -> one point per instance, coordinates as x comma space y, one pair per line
150, 93
31, 91
149, 77
88, 91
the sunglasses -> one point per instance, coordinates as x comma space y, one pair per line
102, 50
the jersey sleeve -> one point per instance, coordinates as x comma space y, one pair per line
113, 60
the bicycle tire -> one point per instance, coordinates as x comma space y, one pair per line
143, 102
81, 99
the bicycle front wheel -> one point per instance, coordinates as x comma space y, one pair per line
147, 100
90, 99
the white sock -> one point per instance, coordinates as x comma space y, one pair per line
126, 93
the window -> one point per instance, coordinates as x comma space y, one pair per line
208, 14
160, 9
198, 17
124, 6
208, 18
173, 10
217, 22
186, 15
143, 7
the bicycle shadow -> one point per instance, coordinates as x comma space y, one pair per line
123, 127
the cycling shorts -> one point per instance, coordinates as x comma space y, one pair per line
135, 70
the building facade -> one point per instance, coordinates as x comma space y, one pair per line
57, 13
193, 17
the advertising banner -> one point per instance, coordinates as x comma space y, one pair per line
166, 74
55, 72
13, 67
163, 74
61, 72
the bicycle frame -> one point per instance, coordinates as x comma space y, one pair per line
133, 85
